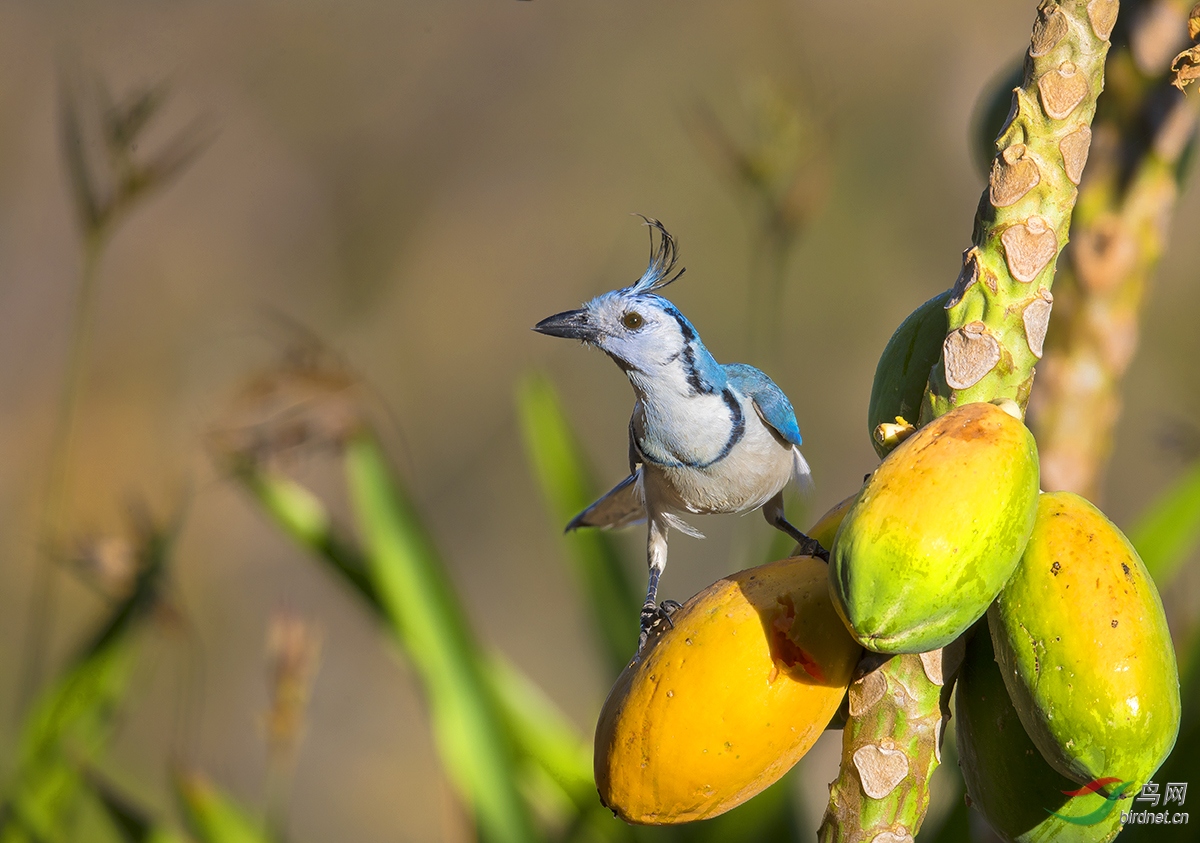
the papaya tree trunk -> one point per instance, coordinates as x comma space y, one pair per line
998, 313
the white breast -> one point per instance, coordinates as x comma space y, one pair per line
758, 467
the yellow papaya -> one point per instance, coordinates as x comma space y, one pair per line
726, 699
936, 531
1008, 781
1084, 648
827, 525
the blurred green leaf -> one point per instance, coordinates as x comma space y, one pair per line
301, 515
212, 816
1169, 529
410, 580
70, 725
133, 823
540, 732
538, 726
554, 751
567, 487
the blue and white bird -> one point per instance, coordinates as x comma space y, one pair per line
704, 438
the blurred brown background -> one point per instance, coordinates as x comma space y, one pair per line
418, 183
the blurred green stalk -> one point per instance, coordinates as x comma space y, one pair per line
1169, 528
211, 816
70, 725
539, 731
1143, 131
52, 525
410, 581
101, 199
567, 488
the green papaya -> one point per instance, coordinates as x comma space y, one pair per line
936, 531
1008, 781
903, 368
1081, 637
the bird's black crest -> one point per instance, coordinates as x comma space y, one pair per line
663, 257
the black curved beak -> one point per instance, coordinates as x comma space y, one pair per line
570, 324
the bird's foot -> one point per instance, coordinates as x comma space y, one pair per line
808, 546
656, 620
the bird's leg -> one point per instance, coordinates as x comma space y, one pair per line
773, 512
654, 615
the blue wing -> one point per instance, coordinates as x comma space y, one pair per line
772, 404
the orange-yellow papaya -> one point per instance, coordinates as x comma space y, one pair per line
725, 700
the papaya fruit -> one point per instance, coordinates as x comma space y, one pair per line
827, 525
903, 368
936, 531
1080, 634
1008, 781
727, 698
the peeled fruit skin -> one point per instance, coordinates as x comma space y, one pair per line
903, 369
723, 703
1084, 647
1007, 779
936, 531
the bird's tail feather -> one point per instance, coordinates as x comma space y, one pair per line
622, 506
625, 505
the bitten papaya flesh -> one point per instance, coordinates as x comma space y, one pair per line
936, 531
903, 369
1008, 781
724, 702
1081, 637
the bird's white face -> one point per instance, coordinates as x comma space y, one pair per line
641, 332
638, 332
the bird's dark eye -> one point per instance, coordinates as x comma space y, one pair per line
632, 320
